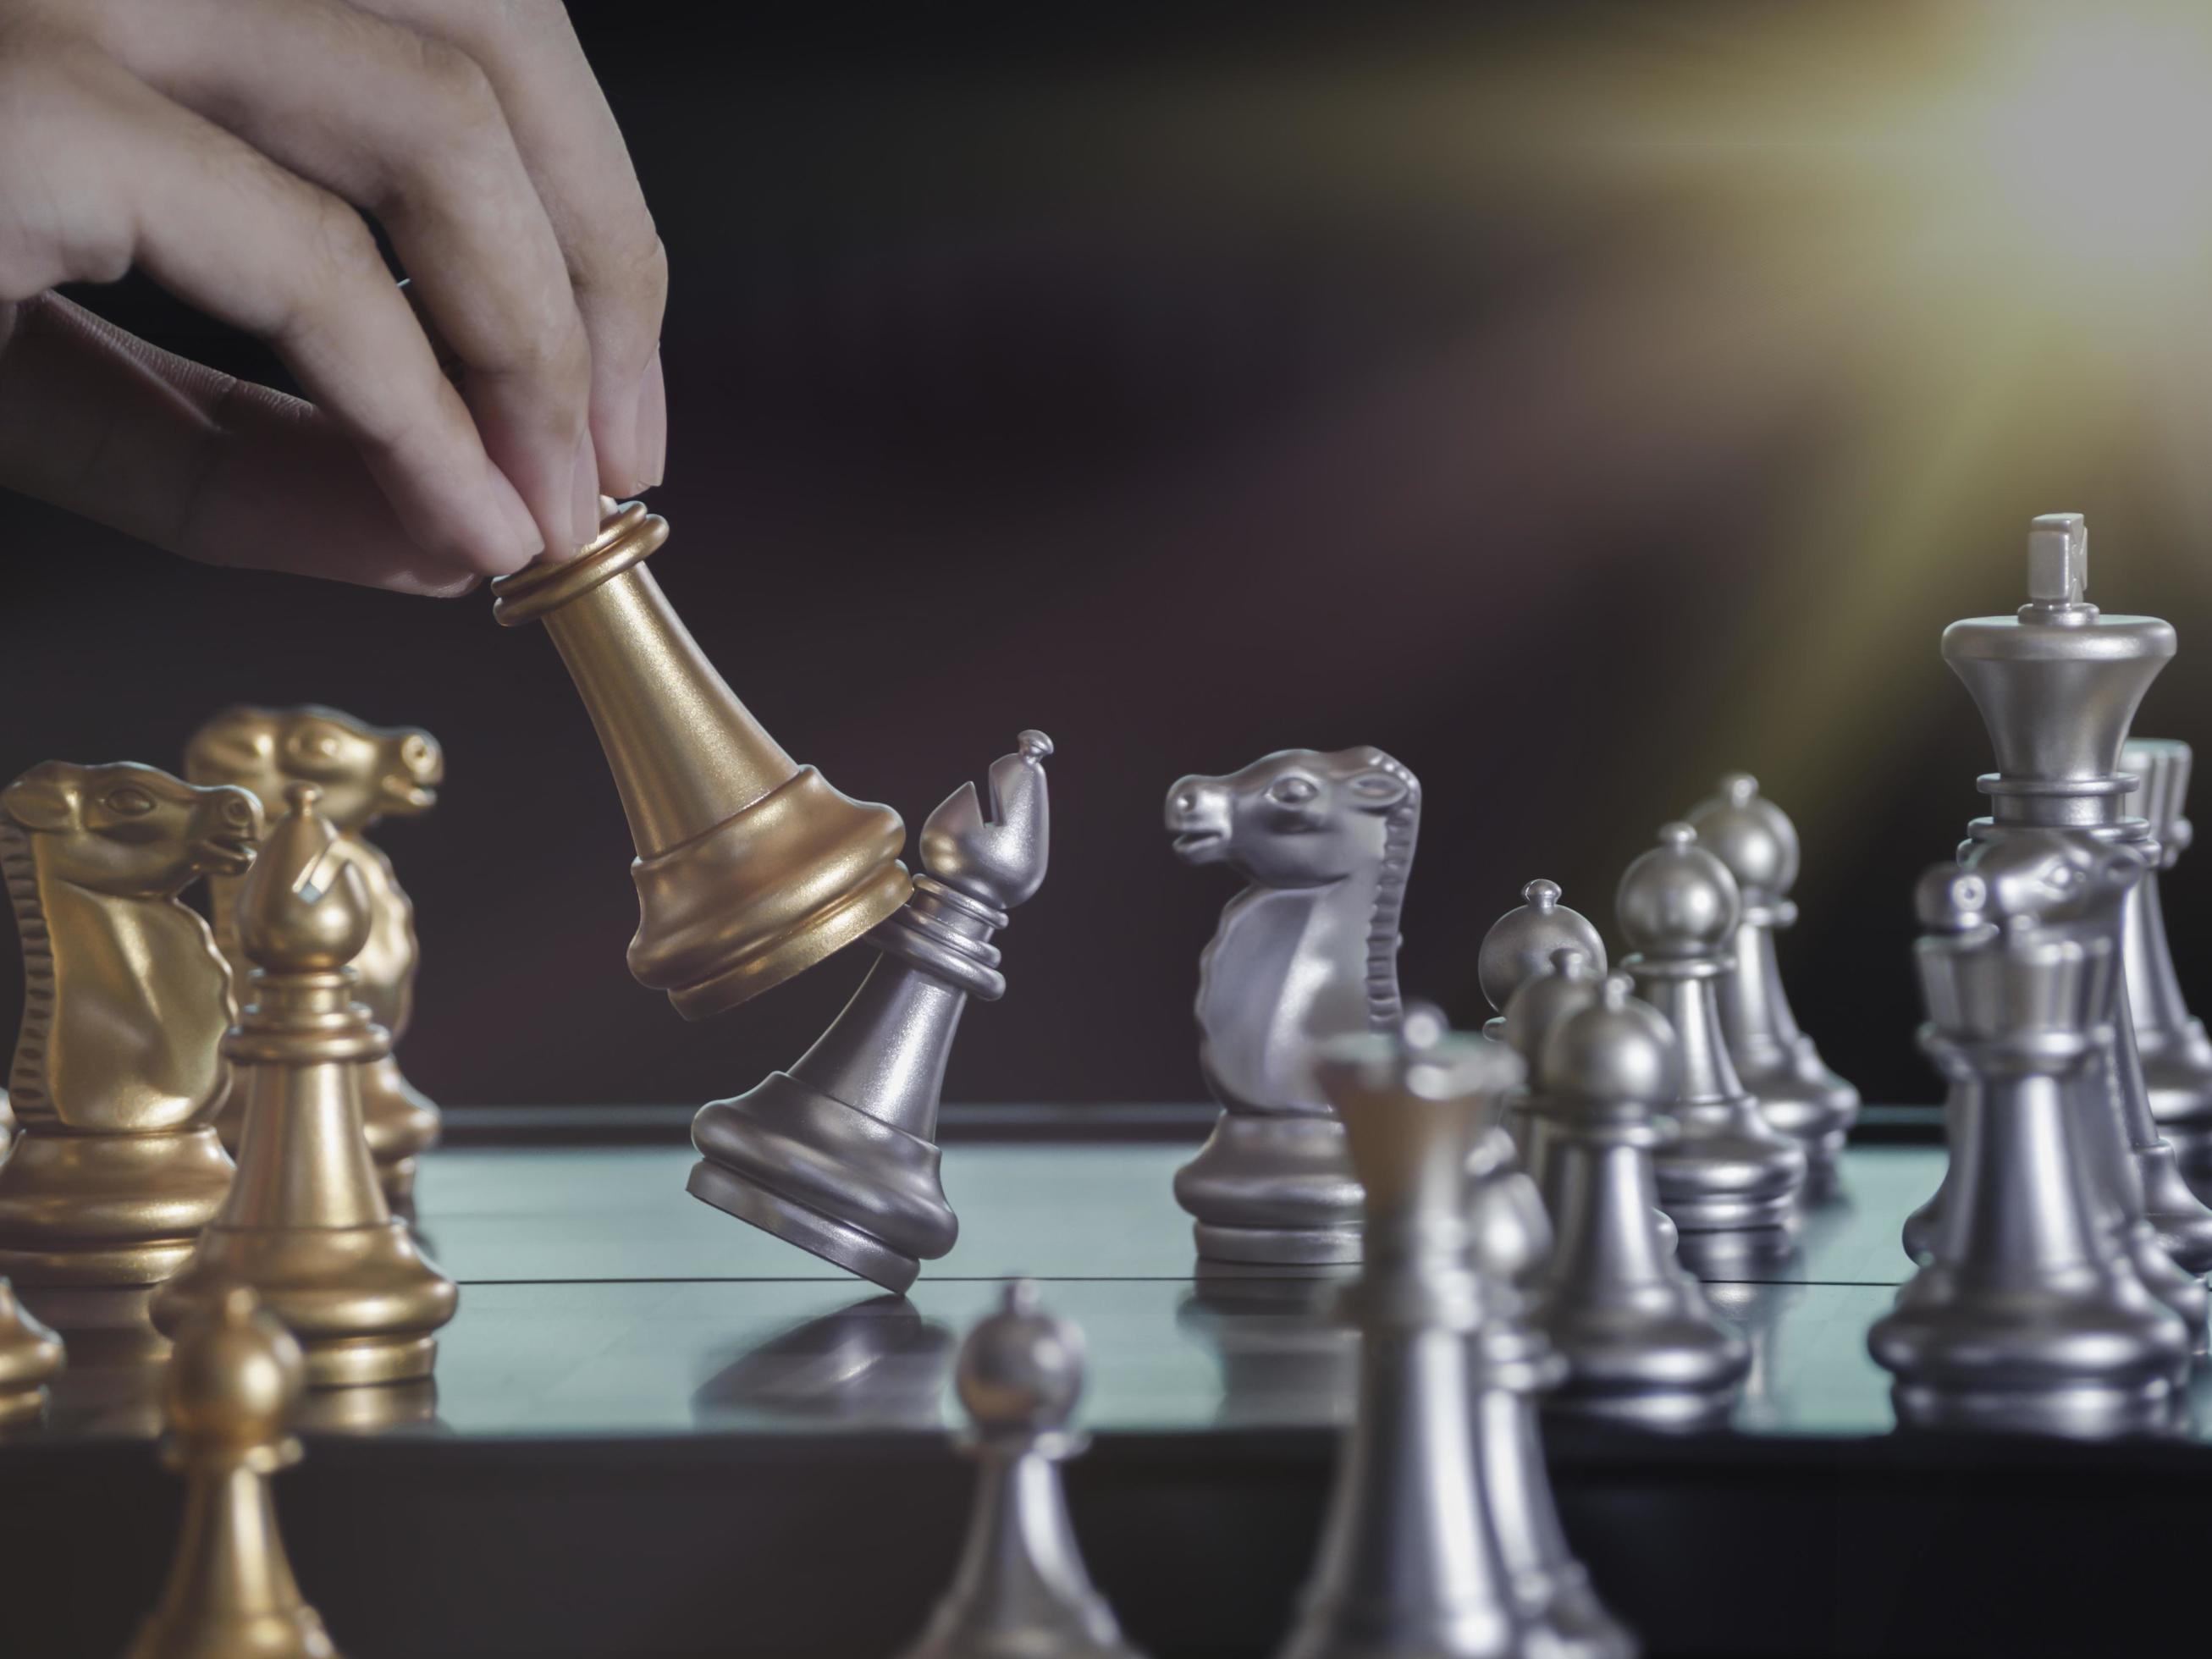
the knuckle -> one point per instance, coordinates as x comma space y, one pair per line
456, 96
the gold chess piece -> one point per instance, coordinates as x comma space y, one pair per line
118, 1070
750, 867
228, 1393
366, 773
306, 1224
30, 1356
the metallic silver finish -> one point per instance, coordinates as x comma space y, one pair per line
2027, 1319
1441, 1540
1307, 951
2171, 1042
838, 1154
1730, 1182
2057, 684
1776, 1060
1021, 1591
1642, 1345
1520, 945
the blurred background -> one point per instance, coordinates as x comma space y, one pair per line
1576, 402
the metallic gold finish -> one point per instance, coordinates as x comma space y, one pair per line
118, 1070
228, 1397
307, 1225
30, 1357
751, 868
366, 773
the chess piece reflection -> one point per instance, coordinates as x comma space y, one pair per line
1286, 1360
1308, 950
1776, 1060
1440, 1539
30, 1357
2057, 685
2176, 1055
366, 773
230, 1391
839, 1155
1641, 1343
118, 1070
306, 1224
2026, 1318
1729, 1180
750, 868
877, 1364
1021, 1591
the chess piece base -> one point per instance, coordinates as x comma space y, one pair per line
362, 1301
1670, 1372
2178, 1077
30, 1356
108, 1210
1274, 1189
804, 1165
2176, 1214
794, 1223
298, 1634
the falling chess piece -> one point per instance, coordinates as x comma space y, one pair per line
1520, 945
307, 1225
1021, 1591
2026, 1320
1308, 950
839, 1155
1729, 1182
1415, 1558
367, 773
2057, 685
750, 868
229, 1392
119, 1071
1641, 1342
30, 1357
2175, 1052
1774, 1059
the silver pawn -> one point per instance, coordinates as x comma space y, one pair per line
1641, 1344
839, 1155
1520, 945
2025, 1320
1021, 1591
2057, 684
2176, 1055
1777, 1061
1730, 1182
1414, 1561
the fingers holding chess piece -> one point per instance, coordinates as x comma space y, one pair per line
30, 1357
750, 867
1776, 1060
229, 1392
306, 1224
1021, 1591
118, 1070
839, 1155
366, 774
2176, 1055
1306, 951
1729, 1182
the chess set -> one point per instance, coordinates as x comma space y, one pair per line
1497, 1324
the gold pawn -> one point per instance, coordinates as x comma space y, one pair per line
306, 1224
30, 1355
228, 1393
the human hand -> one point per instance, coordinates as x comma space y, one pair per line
222, 147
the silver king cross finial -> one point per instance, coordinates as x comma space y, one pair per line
2057, 559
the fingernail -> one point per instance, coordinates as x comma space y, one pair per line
522, 531
651, 426
584, 499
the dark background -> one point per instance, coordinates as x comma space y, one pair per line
1576, 402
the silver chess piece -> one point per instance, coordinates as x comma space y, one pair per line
839, 1155
1021, 1591
1440, 1541
1775, 1059
1729, 1180
2026, 1318
1641, 1342
1308, 950
2176, 1055
2057, 684
1521, 944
